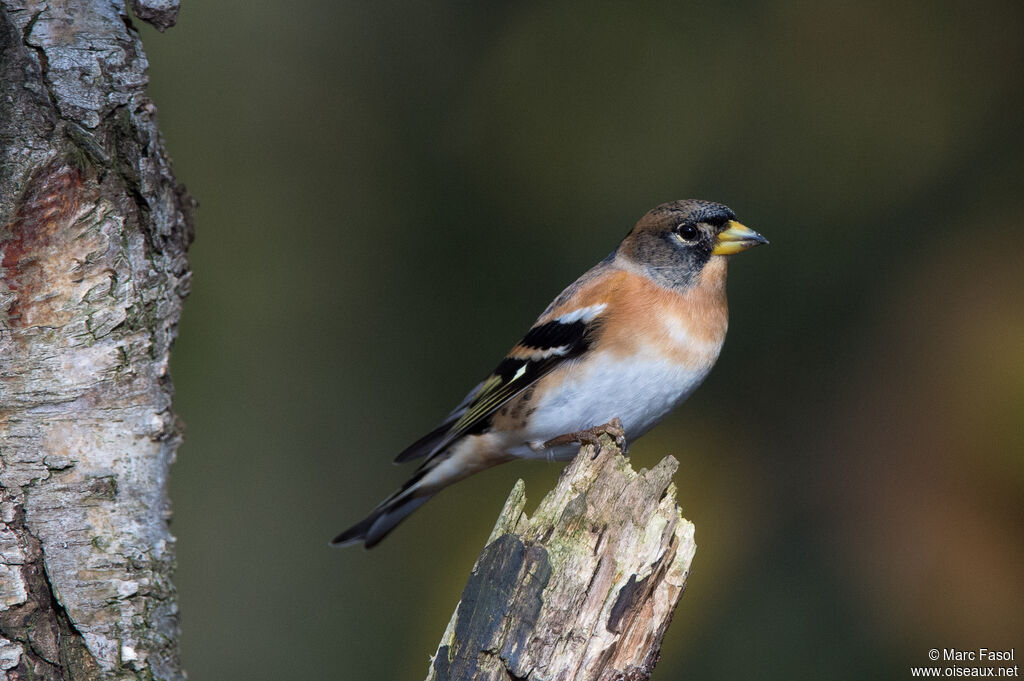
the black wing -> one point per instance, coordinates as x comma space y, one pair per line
545, 347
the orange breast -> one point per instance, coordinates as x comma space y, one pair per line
643, 317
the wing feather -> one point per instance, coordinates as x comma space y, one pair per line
544, 347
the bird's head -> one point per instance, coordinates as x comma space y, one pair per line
673, 242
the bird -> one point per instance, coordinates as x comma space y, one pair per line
615, 352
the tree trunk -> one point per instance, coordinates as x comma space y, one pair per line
583, 590
93, 237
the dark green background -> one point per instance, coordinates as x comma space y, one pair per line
391, 192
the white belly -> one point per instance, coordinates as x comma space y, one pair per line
640, 391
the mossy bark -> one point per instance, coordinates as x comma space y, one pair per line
584, 589
93, 237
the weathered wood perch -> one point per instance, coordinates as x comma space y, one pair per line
583, 590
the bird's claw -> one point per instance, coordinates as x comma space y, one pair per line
616, 431
592, 436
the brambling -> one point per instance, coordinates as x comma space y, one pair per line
626, 343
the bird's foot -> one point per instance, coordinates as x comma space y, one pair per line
592, 436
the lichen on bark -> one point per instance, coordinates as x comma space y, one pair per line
93, 237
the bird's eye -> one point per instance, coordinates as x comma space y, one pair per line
687, 232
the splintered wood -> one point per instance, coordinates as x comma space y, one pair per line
583, 590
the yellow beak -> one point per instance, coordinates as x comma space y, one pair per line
736, 238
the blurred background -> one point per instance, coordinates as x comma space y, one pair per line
391, 192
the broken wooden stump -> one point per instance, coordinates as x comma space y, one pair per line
584, 589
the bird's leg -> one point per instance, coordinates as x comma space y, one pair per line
592, 436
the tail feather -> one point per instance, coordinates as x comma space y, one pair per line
426, 445
436, 473
381, 521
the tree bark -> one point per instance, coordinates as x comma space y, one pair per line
93, 237
583, 590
